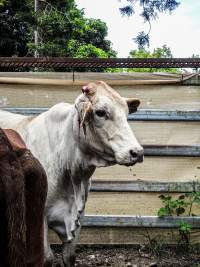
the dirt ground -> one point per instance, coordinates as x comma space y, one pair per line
132, 257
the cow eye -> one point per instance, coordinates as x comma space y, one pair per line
100, 113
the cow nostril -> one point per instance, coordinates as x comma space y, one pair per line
133, 154
141, 155
140, 158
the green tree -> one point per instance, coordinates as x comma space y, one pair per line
160, 52
15, 20
63, 30
2, 2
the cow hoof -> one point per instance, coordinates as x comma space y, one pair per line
48, 262
58, 263
70, 262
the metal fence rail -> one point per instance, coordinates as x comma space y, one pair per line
139, 221
140, 115
60, 62
144, 186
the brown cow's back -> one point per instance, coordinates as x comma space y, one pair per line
12, 210
23, 184
36, 191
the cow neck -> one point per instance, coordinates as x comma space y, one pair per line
67, 154
81, 161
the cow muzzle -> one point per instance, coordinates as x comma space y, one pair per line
137, 156
130, 157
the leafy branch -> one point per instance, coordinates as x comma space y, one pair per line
177, 207
150, 11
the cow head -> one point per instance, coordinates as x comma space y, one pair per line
103, 130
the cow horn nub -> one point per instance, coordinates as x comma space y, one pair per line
89, 89
85, 89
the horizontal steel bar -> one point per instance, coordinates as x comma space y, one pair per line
144, 186
149, 150
138, 221
163, 115
172, 150
26, 111
140, 115
10, 62
63, 82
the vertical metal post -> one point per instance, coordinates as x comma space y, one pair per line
36, 8
73, 74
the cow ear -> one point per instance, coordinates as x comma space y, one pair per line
133, 104
15, 139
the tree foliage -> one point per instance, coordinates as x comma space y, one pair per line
150, 11
14, 31
160, 52
2, 2
63, 30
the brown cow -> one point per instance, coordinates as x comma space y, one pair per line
23, 189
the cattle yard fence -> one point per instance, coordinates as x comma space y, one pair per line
130, 228
135, 221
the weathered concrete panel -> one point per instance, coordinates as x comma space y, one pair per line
152, 96
165, 169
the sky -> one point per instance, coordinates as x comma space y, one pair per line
180, 30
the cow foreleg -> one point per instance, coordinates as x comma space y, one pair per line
68, 252
66, 230
48, 254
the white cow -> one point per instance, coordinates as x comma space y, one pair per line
71, 141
